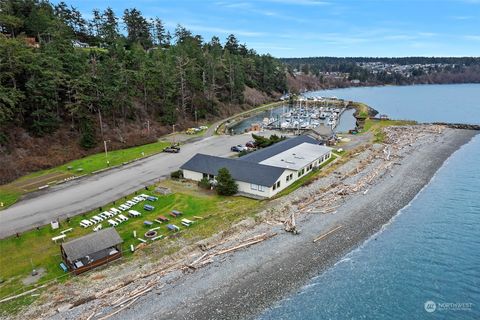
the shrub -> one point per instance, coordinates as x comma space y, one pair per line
204, 183
176, 174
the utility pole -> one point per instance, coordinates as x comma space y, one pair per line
106, 152
173, 133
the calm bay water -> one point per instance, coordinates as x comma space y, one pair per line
424, 103
429, 252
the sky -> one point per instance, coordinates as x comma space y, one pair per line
306, 28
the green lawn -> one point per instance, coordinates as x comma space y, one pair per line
8, 196
36, 249
11, 192
98, 161
375, 126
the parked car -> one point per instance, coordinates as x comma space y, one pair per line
238, 148
152, 198
250, 144
172, 149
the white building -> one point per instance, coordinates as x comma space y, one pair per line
266, 172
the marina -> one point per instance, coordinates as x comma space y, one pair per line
312, 113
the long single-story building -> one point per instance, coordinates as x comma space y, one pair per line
265, 172
92, 250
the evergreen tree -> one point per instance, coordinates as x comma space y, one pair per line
226, 186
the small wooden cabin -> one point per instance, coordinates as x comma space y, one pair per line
92, 250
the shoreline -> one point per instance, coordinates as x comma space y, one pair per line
243, 284
310, 259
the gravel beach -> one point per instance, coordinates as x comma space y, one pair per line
242, 284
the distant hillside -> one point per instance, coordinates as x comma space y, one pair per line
68, 83
328, 72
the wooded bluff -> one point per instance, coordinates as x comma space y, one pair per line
69, 82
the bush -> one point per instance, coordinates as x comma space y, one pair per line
204, 183
226, 186
176, 174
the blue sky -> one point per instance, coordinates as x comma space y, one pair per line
301, 28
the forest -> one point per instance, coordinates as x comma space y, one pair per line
59, 69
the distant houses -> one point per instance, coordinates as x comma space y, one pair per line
79, 44
266, 172
92, 250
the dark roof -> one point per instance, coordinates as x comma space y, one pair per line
265, 153
240, 170
91, 243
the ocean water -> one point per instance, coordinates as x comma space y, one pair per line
424, 103
425, 263
430, 251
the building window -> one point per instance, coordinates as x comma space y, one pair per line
253, 186
288, 178
278, 184
274, 186
261, 188
205, 175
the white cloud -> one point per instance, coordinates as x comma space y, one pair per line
238, 32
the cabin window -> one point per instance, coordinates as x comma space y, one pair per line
278, 184
254, 186
261, 188
274, 186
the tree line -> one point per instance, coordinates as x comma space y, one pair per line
58, 67
455, 69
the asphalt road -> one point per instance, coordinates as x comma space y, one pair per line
82, 195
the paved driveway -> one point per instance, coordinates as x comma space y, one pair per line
78, 196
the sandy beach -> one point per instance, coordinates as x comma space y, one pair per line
242, 284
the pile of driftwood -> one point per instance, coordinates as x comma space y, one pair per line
207, 257
122, 296
290, 225
400, 137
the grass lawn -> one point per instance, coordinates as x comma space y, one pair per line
35, 249
11, 192
8, 196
